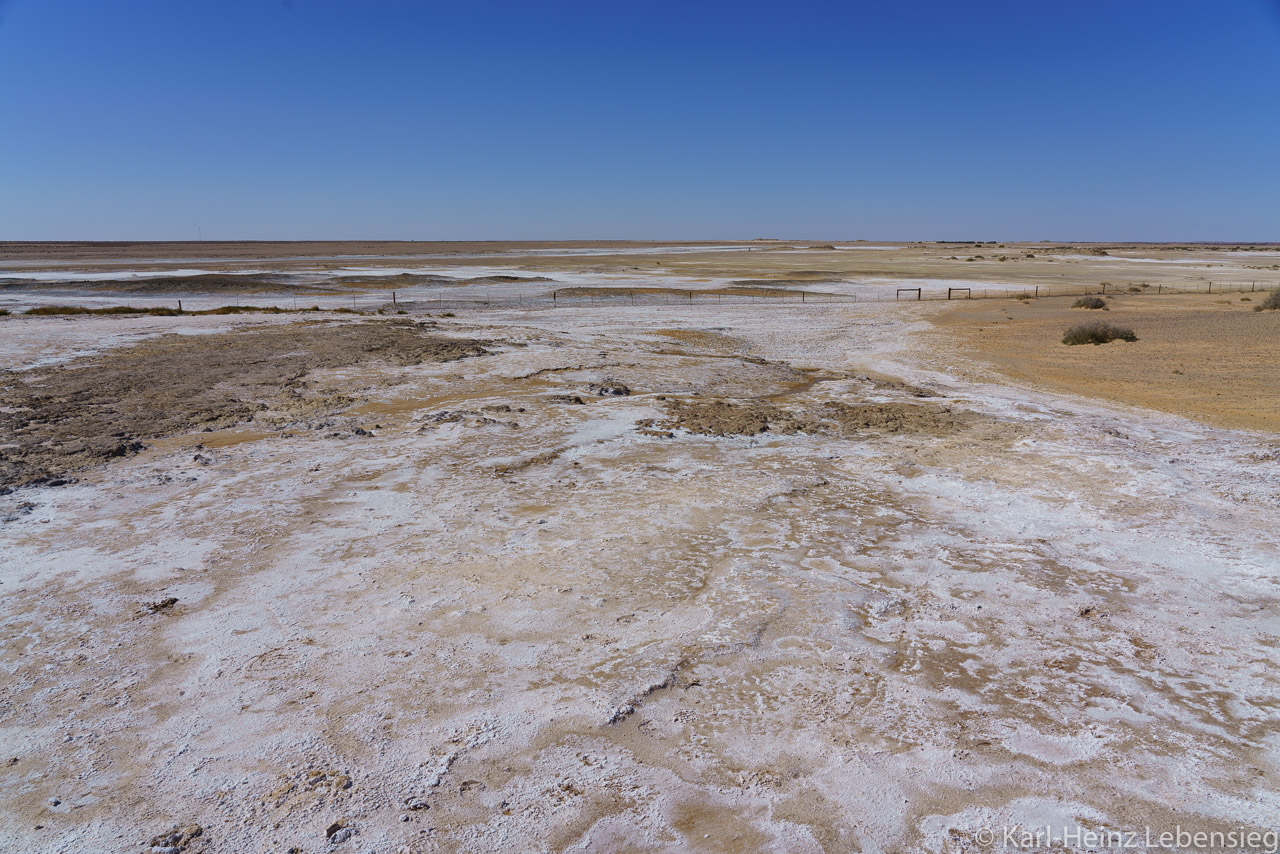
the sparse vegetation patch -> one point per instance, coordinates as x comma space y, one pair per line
1097, 333
1271, 303
1090, 302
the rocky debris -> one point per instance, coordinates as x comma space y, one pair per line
751, 418
448, 416
47, 480
360, 431
620, 713
176, 840
645, 428
339, 832
23, 508
566, 399
162, 605
608, 388
471, 417
416, 804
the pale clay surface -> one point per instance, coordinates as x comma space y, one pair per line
548, 631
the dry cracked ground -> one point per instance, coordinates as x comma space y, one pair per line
716, 579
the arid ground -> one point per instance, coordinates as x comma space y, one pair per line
600, 547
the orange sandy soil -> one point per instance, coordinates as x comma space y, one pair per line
1211, 358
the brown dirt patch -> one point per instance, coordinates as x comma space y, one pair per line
1197, 357
724, 418
59, 419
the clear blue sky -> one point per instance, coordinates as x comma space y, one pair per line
1085, 120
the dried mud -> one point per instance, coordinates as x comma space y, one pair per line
749, 418
60, 419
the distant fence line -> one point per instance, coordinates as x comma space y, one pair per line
500, 299
649, 297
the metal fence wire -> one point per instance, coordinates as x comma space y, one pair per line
621, 297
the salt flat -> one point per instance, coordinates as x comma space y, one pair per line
632, 577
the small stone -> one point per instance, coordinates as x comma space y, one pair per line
417, 804
175, 841
405, 817
609, 388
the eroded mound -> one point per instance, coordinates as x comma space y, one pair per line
59, 419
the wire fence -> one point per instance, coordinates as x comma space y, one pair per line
656, 297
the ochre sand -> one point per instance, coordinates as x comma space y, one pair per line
1207, 357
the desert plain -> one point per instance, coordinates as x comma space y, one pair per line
625, 547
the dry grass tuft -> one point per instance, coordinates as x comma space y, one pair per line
1271, 303
1097, 332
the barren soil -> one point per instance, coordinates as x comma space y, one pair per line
62, 418
863, 576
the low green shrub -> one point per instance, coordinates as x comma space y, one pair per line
1097, 332
1271, 303
1090, 302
